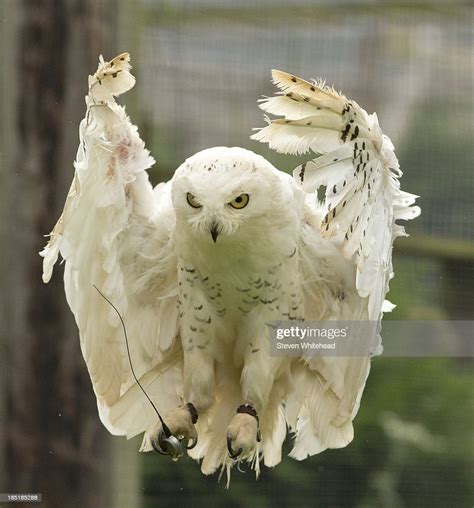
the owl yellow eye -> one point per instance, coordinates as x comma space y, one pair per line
192, 201
240, 201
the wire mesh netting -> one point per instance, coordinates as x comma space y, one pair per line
201, 66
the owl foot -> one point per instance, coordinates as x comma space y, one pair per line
243, 433
178, 433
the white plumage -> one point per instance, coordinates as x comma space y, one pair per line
199, 265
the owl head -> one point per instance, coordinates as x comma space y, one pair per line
222, 194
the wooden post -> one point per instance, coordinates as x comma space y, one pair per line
8, 48
51, 440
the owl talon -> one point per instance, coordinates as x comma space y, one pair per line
232, 454
194, 441
243, 433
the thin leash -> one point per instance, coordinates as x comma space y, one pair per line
165, 427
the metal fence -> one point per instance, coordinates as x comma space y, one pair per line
202, 65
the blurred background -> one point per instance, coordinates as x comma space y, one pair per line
200, 67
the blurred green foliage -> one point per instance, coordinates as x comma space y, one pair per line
436, 156
376, 469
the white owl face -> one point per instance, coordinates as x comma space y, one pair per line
221, 191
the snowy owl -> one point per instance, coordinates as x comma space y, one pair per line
199, 266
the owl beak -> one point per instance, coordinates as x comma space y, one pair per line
214, 231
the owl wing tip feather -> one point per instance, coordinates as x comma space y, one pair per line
112, 78
357, 169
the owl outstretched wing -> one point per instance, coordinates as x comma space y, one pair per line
356, 168
115, 233
355, 173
